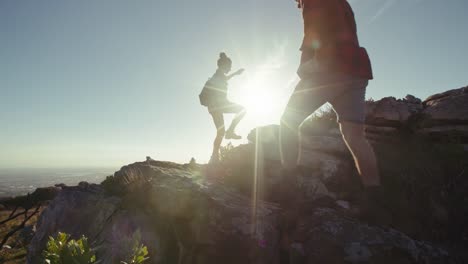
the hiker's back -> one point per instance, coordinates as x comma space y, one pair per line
330, 39
214, 90
328, 22
219, 84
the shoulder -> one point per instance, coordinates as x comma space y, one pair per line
322, 5
317, 3
218, 79
219, 76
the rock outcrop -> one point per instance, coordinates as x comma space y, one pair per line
181, 218
246, 210
392, 112
185, 219
446, 116
386, 117
423, 171
449, 107
441, 117
332, 238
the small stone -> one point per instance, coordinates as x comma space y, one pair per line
343, 204
357, 253
83, 185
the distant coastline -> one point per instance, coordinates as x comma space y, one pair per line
18, 181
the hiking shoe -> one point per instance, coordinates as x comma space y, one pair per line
232, 135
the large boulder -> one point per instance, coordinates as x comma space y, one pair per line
441, 117
314, 137
392, 112
385, 118
450, 107
332, 238
183, 218
323, 152
76, 210
446, 116
266, 139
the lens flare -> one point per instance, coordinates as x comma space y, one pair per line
261, 97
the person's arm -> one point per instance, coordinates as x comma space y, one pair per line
238, 72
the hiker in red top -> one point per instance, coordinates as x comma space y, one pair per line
330, 37
334, 69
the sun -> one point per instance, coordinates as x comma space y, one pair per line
260, 96
260, 105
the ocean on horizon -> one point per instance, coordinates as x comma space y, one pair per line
15, 182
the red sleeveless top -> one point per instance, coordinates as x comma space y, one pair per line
330, 36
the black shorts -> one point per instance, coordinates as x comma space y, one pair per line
225, 106
345, 93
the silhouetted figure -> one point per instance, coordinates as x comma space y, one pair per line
214, 96
335, 69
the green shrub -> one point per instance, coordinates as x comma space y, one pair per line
63, 250
138, 251
139, 255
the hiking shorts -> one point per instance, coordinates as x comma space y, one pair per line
225, 107
345, 93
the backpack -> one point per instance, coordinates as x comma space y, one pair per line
206, 96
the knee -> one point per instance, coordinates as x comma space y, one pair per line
220, 133
242, 112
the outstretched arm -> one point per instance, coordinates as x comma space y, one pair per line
238, 72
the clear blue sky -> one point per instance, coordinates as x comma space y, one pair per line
107, 82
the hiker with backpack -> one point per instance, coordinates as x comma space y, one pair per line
214, 97
334, 68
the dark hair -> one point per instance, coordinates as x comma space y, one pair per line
224, 60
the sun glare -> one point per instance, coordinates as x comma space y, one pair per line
260, 96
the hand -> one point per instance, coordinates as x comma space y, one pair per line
239, 72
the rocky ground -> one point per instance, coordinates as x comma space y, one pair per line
245, 210
186, 218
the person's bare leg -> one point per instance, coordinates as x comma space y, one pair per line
362, 151
217, 142
303, 102
289, 140
240, 113
219, 123
290, 146
372, 202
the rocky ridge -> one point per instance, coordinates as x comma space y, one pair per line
245, 211
183, 219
